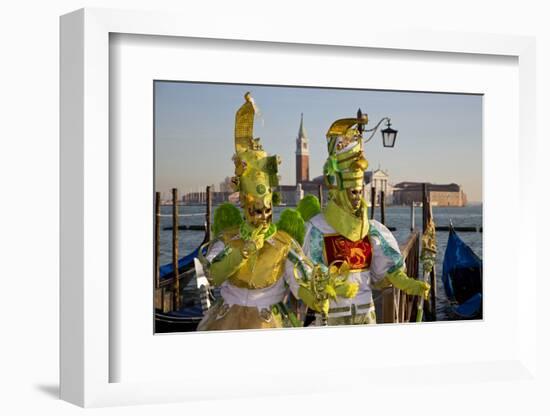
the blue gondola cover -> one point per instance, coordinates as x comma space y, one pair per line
462, 276
185, 262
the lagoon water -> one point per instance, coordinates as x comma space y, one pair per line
396, 216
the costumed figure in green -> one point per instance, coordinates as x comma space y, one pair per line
254, 261
342, 239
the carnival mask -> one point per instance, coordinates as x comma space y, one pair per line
354, 197
258, 213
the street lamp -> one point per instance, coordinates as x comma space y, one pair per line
388, 134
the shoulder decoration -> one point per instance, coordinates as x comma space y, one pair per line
293, 224
226, 216
309, 207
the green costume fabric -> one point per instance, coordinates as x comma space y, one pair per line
224, 266
308, 207
401, 281
293, 224
225, 216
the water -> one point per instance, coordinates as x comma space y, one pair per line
470, 216
396, 216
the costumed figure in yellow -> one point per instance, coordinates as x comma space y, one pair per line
254, 261
341, 237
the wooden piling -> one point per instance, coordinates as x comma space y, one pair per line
425, 207
382, 207
433, 294
175, 244
388, 306
157, 240
372, 201
208, 213
412, 216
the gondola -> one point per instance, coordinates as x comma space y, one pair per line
184, 264
184, 320
462, 278
190, 314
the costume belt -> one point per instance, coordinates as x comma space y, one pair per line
353, 308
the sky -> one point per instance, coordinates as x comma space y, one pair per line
439, 136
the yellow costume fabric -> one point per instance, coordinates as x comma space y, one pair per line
251, 288
224, 317
346, 223
261, 270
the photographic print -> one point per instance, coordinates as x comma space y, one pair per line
296, 207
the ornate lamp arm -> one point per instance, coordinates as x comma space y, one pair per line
375, 128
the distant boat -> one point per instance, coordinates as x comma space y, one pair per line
462, 278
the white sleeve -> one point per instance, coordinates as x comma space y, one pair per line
314, 244
214, 249
306, 247
290, 279
386, 256
296, 265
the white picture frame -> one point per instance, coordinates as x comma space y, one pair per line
87, 356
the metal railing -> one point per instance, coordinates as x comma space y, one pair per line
397, 306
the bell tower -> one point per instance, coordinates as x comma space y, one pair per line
302, 154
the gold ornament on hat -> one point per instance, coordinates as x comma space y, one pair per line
255, 171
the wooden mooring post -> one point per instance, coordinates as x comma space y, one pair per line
382, 208
208, 227
372, 201
175, 244
412, 216
169, 291
426, 217
157, 240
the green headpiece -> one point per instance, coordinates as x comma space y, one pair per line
346, 162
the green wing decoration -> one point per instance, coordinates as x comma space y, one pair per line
293, 224
225, 216
309, 207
